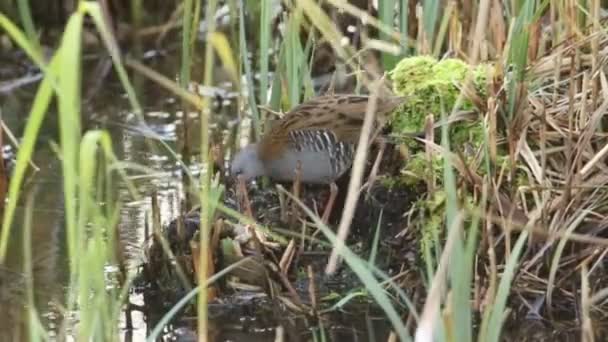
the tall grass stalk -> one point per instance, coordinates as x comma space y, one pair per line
89, 251
386, 12
443, 28
264, 52
35, 118
576, 221
137, 18
187, 46
431, 15
22, 41
25, 14
207, 208
187, 49
255, 114
276, 92
70, 129
460, 269
518, 52
294, 58
94, 11
99, 314
37, 113
404, 26
493, 322
35, 328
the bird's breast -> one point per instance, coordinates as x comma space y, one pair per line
317, 167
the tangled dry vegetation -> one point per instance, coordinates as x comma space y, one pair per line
556, 191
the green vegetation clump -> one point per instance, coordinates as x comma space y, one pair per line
432, 87
418, 168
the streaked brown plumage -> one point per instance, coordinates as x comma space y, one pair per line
341, 114
320, 135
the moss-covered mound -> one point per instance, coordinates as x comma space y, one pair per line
433, 87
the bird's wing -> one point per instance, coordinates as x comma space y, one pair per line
323, 120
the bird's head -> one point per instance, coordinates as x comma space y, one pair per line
247, 164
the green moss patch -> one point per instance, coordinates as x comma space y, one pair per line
433, 87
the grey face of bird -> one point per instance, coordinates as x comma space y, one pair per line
247, 164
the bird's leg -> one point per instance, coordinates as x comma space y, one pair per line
243, 197
333, 193
283, 202
297, 182
374, 172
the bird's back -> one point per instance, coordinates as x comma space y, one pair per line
329, 123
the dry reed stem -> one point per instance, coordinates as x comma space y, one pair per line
430, 136
287, 257
428, 318
542, 232
587, 334
312, 289
355, 180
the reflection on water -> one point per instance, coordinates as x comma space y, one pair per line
47, 274
107, 109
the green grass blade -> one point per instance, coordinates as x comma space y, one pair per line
265, 42
294, 57
26, 19
359, 267
93, 9
518, 52
461, 270
248, 74
69, 122
375, 243
386, 12
22, 41
430, 15
24, 153
404, 26
497, 310
186, 60
559, 250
